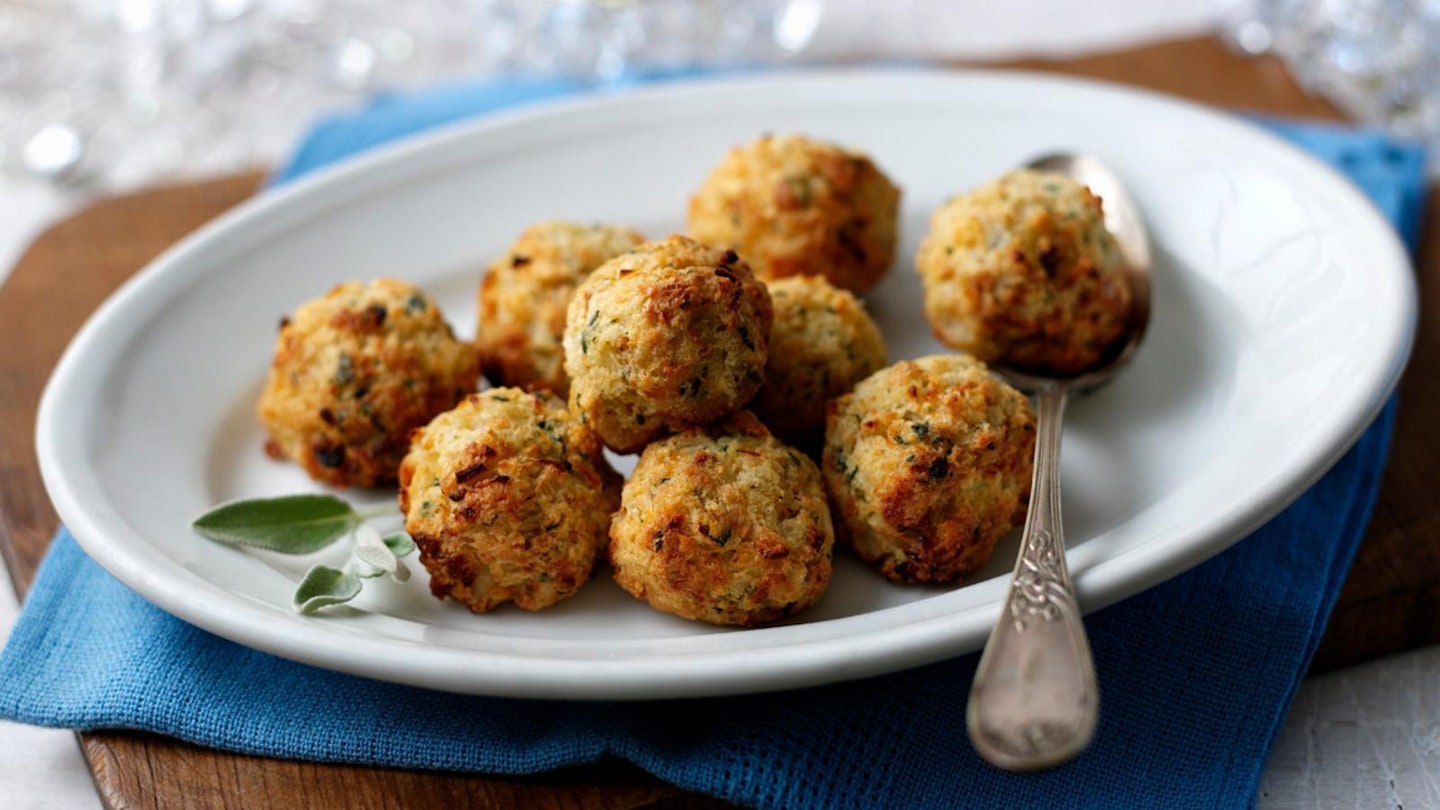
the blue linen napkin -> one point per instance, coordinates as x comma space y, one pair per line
1197, 673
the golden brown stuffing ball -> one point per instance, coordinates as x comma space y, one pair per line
509, 498
354, 372
669, 335
821, 344
928, 464
1023, 271
526, 292
793, 206
725, 525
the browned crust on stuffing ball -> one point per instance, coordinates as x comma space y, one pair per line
795, 206
724, 525
509, 499
928, 465
822, 342
1023, 271
670, 335
524, 296
354, 372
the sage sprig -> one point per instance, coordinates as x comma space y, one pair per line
302, 524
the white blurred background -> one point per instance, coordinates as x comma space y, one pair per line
110, 94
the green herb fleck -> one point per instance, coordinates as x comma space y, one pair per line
800, 188
345, 371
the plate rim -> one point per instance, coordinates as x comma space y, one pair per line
693, 673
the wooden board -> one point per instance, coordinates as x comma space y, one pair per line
1390, 603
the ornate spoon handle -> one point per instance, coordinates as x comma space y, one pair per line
1034, 703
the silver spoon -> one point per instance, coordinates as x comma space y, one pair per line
1034, 703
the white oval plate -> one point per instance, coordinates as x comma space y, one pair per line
1284, 310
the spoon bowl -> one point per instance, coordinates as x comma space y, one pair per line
1034, 701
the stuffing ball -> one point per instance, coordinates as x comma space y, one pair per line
821, 344
669, 335
724, 525
928, 465
792, 206
526, 292
509, 498
1023, 271
354, 372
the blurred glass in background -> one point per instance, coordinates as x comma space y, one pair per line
1377, 60
108, 94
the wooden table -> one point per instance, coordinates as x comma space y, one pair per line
1391, 601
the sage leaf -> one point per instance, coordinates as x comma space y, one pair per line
293, 524
324, 586
373, 551
370, 549
400, 543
